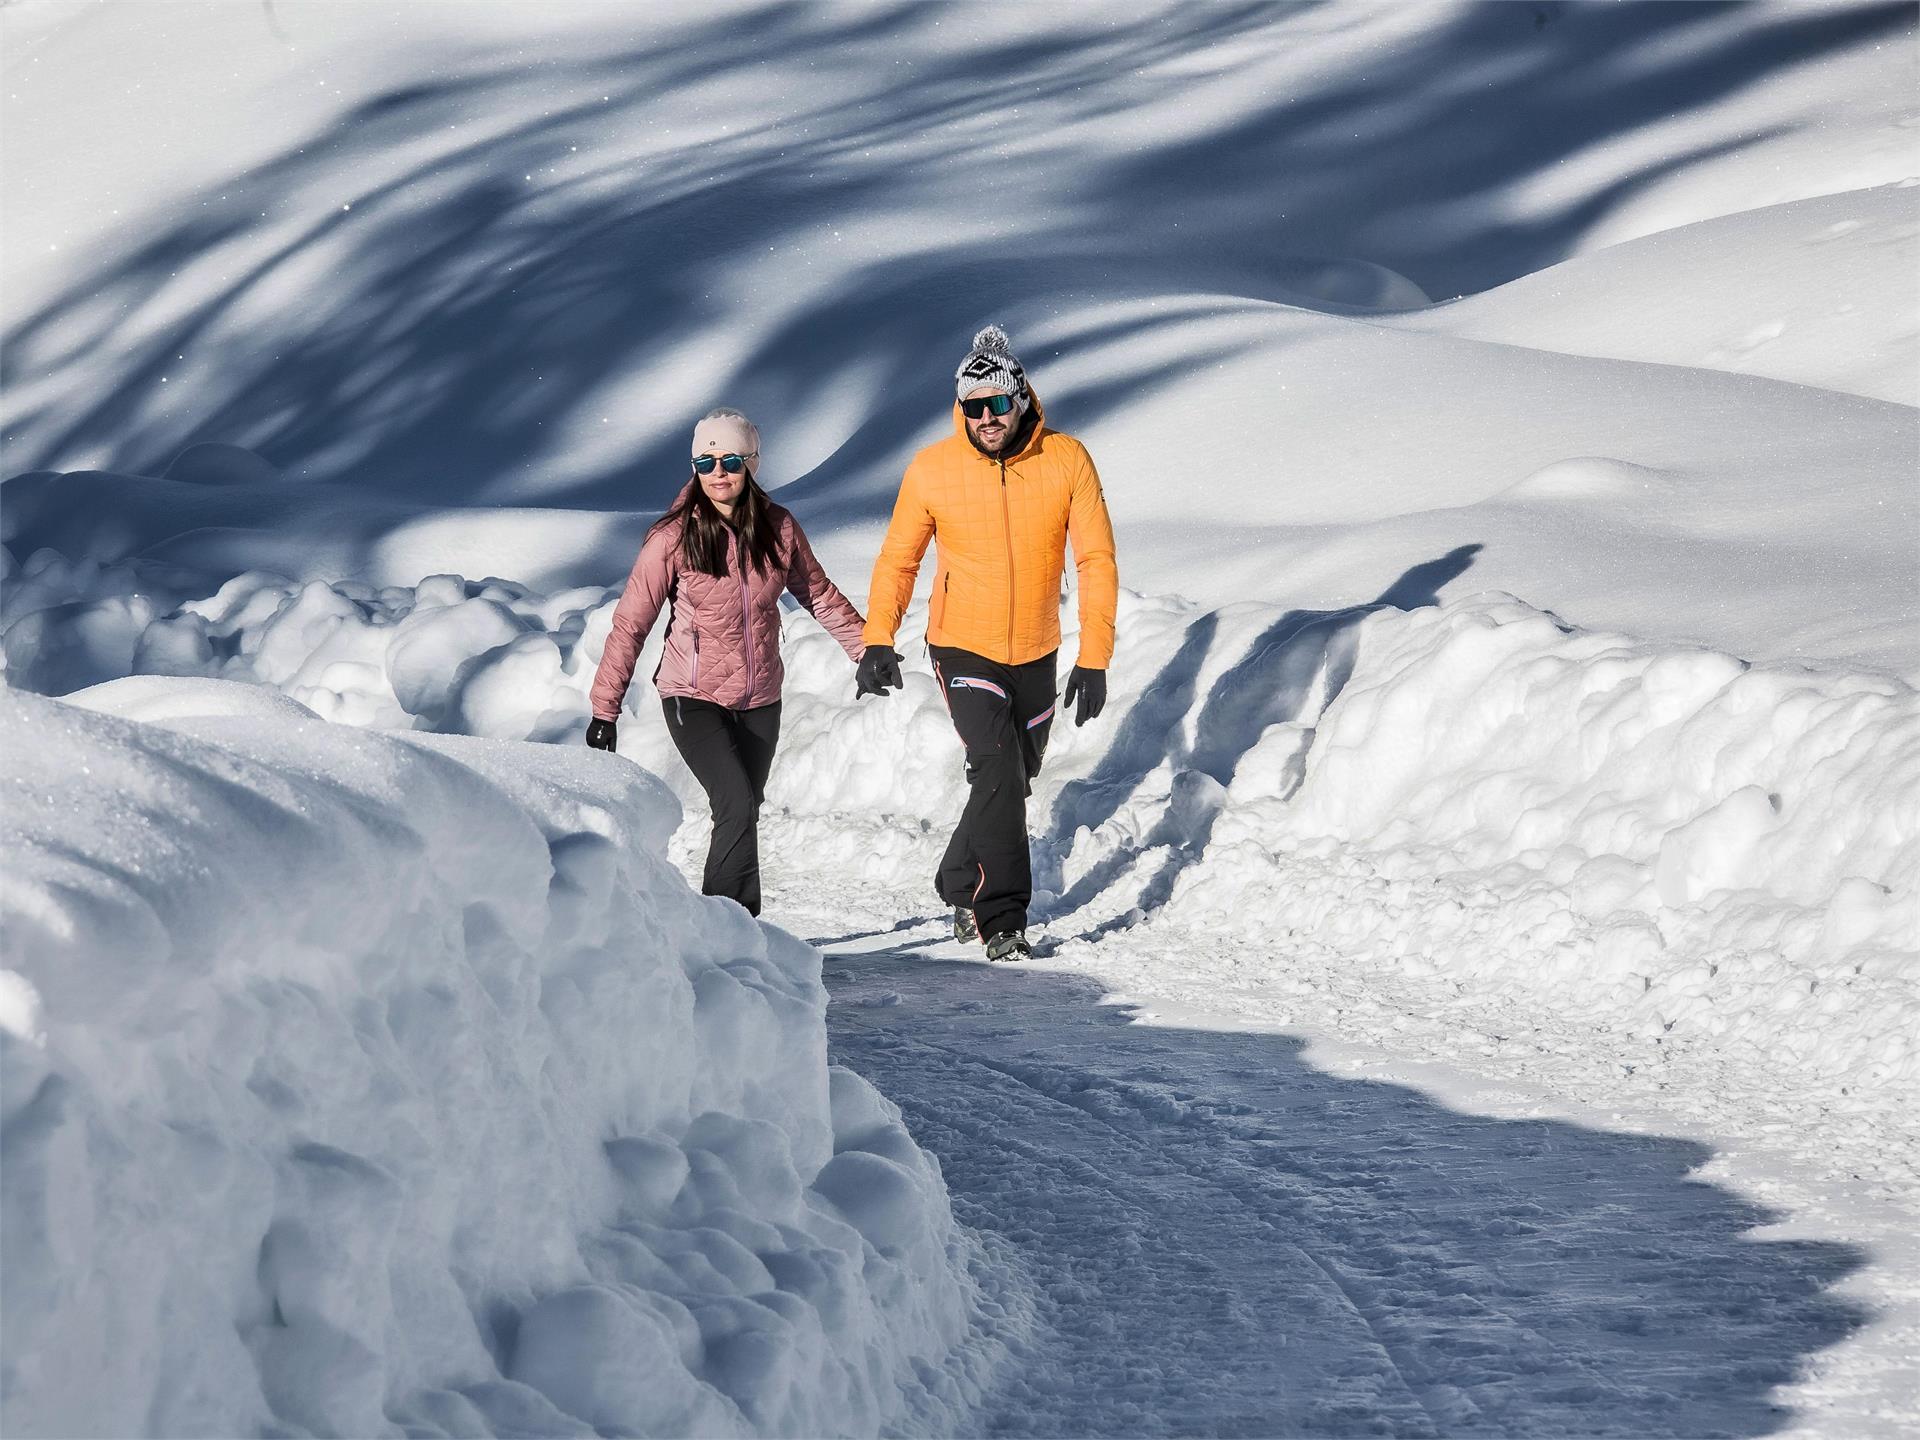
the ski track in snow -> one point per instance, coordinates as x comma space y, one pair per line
1229, 1241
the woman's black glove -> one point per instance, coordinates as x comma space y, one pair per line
1091, 687
601, 734
879, 669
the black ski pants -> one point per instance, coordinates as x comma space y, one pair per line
1004, 714
730, 753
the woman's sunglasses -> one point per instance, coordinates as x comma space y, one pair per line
986, 404
732, 464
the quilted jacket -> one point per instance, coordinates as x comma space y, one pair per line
1000, 529
723, 637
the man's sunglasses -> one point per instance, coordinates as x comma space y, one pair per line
986, 404
732, 464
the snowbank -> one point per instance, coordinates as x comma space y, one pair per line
1657, 839
470, 1115
1667, 840
488, 658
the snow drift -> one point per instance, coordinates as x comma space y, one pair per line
1661, 838
1680, 847
472, 1117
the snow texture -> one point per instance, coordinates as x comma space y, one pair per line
472, 1118
1509, 417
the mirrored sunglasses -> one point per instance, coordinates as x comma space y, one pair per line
986, 404
732, 464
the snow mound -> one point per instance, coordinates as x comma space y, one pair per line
1585, 477
1350, 285
473, 1118
1667, 846
215, 463
1667, 841
1820, 292
165, 699
488, 658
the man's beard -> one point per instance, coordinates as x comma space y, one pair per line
1009, 443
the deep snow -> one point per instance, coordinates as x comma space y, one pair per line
441, 1101
1514, 700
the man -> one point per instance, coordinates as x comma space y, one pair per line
1001, 497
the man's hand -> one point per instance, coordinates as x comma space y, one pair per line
879, 670
601, 734
1091, 688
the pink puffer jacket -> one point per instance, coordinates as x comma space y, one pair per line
723, 640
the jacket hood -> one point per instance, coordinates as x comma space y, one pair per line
1039, 423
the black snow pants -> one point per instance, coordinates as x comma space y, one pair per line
1004, 714
730, 753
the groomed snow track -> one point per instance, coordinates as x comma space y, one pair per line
1229, 1241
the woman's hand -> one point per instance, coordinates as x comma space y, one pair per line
601, 734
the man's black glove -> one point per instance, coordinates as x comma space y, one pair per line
879, 670
601, 734
1091, 687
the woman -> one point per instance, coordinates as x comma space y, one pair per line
723, 554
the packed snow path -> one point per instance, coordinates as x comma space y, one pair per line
1226, 1241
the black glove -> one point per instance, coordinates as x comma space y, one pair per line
601, 734
879, 669
1091, 687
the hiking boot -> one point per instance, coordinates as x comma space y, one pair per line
1009, 945
965, 928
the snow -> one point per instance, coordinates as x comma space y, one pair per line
1233, 1233
1175, 221
1664, 843
1779, 292
471, 1116
1478, 985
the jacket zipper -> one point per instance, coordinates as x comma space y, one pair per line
746, 623
1006, 529
693, 680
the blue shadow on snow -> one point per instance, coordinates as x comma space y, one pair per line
1226, 1240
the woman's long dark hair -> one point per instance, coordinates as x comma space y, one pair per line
706, 535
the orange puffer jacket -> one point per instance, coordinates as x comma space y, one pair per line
1000, 529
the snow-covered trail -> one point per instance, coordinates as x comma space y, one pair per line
1228, 1240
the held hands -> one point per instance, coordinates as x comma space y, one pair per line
879, 670
1091, 688
601, 734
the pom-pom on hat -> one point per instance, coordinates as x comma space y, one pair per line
991, 363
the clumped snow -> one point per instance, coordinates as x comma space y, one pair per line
1659, 846
364, 1085
1638, 846
1509, 418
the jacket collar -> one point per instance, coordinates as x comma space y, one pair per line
1033, 434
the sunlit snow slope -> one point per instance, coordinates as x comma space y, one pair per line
420, 258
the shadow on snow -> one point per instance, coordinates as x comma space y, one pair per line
1227, 1240
448, 332
1288, 675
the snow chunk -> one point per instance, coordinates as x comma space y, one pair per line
441, 1100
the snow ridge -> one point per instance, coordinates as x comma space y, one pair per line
1665, 845
503, 1130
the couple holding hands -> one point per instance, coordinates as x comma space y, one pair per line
1001, 498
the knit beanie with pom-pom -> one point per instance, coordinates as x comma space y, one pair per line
991, 363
